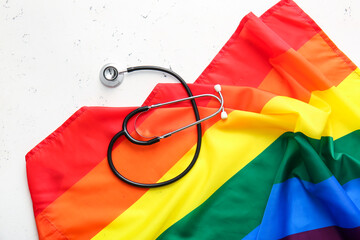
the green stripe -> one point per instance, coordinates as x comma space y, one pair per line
237, 207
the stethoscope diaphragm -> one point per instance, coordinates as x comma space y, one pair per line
110, 76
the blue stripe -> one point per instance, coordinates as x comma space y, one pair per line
296, 206
352, 189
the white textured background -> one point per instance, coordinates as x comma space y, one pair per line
51, 53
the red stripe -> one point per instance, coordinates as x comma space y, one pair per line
290, 23
238, 63
53, 168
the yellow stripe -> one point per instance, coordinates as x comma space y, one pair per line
343, 106
228, 146
334, 112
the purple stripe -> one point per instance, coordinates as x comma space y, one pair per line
328, 233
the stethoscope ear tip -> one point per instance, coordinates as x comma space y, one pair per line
217, 88
224, 115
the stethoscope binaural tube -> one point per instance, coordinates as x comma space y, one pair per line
153, 140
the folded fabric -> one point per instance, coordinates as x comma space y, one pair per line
285, 164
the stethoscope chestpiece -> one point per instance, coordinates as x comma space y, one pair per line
110, 76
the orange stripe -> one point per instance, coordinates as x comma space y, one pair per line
315, 65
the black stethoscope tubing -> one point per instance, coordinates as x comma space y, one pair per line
124, 132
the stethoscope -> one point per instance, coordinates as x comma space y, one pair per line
111, 77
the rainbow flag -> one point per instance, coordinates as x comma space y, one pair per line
284, 165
